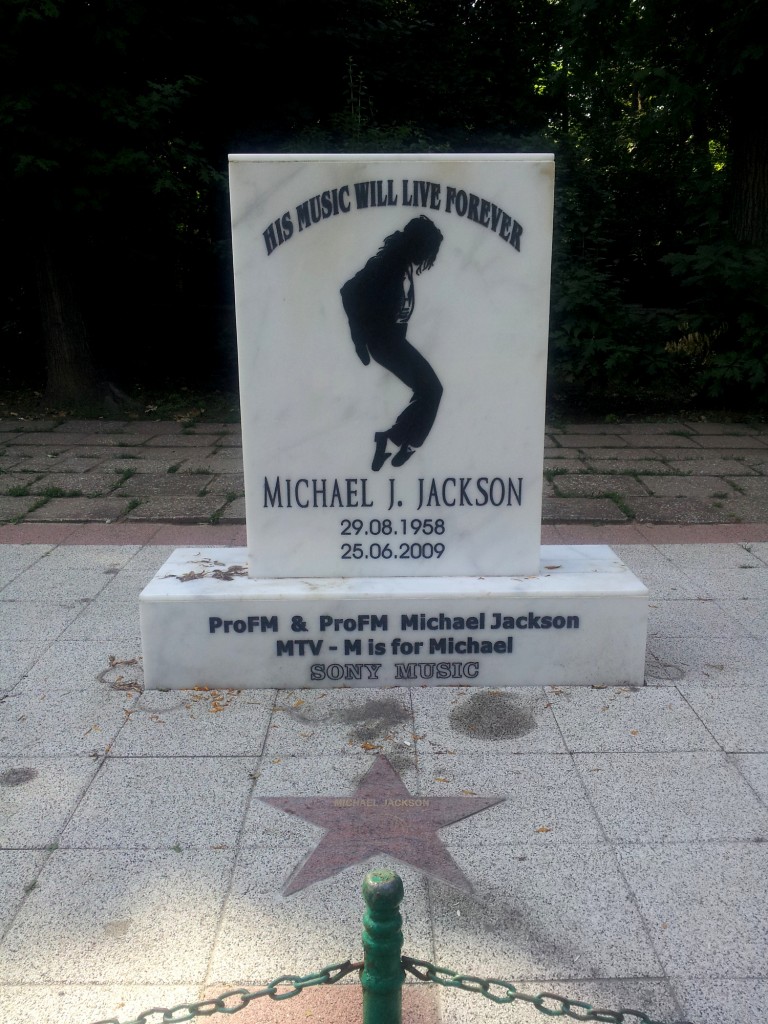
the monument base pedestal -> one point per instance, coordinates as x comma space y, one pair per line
581, 621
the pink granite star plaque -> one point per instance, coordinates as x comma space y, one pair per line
381, 817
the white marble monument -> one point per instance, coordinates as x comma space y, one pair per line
392, 330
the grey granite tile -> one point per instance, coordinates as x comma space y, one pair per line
534, 914
37, 796
628, 719
474, 720
342, 721
158, 803
118, 916
754, 768
71, 703
196, 722
16, 657
18, 870
75, 1004
38, 621
705, 906
702, 617
665, 580
672, 798
752, 615
105, 619
727, 1001
544, 799
737, 718
15, 558
264, 933
724, 661
64, 585
698, 559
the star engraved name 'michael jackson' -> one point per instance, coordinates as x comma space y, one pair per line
379, 301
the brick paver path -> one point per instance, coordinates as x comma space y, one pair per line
628, 475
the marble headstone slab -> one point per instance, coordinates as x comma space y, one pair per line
392, 328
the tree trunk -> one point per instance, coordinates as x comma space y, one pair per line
749, 157
71, 375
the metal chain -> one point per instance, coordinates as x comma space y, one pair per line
498, 991
237, 999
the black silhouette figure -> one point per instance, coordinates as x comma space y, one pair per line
378, 302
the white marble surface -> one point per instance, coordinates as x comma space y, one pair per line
581, 619
310, 407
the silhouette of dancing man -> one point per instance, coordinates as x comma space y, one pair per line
379, 302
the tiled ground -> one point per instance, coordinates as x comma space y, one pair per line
627, 865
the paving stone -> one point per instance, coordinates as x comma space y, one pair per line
60, 464
565, 464
754, 487
103, 619
234, 512
726, 1001
750, 510
751, 615
255, 907
730, 661
585, 441
71, 703
178, 510
689, 486
599, 454
341, 721
544, 799
595, 485
146, 464
738, 719
661, 440
672, 798
679, 510
77, 587
149, 485
37, 796
754, 769
153, 803
12, 481
202, 441
16, 657
225, 483
563, 510
38, 620
627, 465
78, 510
65, 1003
475, 720
211, 723
14, 559
12, 508
87, 483
627, 719
730, 429
700, 618
665, 579
532, 915
118, 916
705, 905
18, 870
48, 440
152, 427
76, 426
712, 467
733, 441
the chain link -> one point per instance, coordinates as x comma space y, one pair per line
498, 991
238, 998
548, 1003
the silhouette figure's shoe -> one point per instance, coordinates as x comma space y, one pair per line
381, 454
401, 457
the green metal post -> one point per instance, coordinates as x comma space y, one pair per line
383, 975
